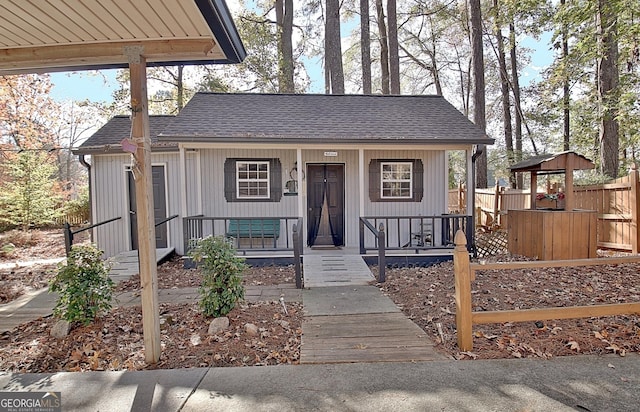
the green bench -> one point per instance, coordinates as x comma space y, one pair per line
254, 229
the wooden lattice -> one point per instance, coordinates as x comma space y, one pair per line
490, 243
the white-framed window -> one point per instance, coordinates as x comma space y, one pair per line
396, 180
252, 179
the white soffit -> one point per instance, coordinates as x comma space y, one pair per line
50, 35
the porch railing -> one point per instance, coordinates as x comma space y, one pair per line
415, 233
250, 234
379, 235
69, 234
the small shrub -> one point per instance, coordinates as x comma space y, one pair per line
83, 285
7, 249
221, 268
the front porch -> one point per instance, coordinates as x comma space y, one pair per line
383, 241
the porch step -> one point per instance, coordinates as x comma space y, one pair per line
125, 264
328, 269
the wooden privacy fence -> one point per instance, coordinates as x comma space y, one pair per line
465, 272
617, 205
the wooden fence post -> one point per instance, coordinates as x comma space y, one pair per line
496, 204
462, 275
634, 206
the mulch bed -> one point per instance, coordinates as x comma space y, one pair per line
427, 296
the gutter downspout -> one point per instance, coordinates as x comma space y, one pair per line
479, 150
87, 165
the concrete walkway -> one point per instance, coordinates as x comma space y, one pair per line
574, 383
40, 303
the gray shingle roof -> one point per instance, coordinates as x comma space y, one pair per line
111, 134
300, 118
307, 118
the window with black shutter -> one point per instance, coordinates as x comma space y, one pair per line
252, 180
396, 180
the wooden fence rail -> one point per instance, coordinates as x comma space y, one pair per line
617, 205
465, 272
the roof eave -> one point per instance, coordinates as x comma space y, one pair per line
316, 140
117, 149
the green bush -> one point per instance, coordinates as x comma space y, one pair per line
221, 268
83, 285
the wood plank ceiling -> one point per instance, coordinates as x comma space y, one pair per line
38, 35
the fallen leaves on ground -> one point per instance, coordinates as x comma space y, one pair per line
115, 341
427, 296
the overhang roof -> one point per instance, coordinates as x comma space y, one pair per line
107, 139
57, 35
314, 118
553, 163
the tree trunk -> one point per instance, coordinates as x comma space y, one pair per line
284, 20
478, 87
565, 84
504, 89
394, 58
180, 87
515, 84
384, 48
333, 47
608, 78
365, 46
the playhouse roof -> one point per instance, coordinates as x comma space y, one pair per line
553, 163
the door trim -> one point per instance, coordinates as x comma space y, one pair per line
127, 169
344, 198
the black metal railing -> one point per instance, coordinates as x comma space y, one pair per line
379, 236
298, 247
416, 233
249, 234
69, 234
163, 221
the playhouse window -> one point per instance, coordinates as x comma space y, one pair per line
396, 180
252, 180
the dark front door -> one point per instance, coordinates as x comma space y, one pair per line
325, 202
159, 207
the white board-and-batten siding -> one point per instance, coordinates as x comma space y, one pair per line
205, 190
110, 199
434, 201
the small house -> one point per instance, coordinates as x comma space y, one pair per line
255, 166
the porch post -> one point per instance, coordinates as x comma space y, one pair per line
144, 199
301, 190
471, 190
183, 185
361, 180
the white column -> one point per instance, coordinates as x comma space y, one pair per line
183, 182
361, 192
301, 191
471, 191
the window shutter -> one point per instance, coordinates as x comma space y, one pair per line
275, 180
374, 180
418, 180
230, 180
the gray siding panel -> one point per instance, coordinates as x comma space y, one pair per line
213, 200
112, 200
205, 191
